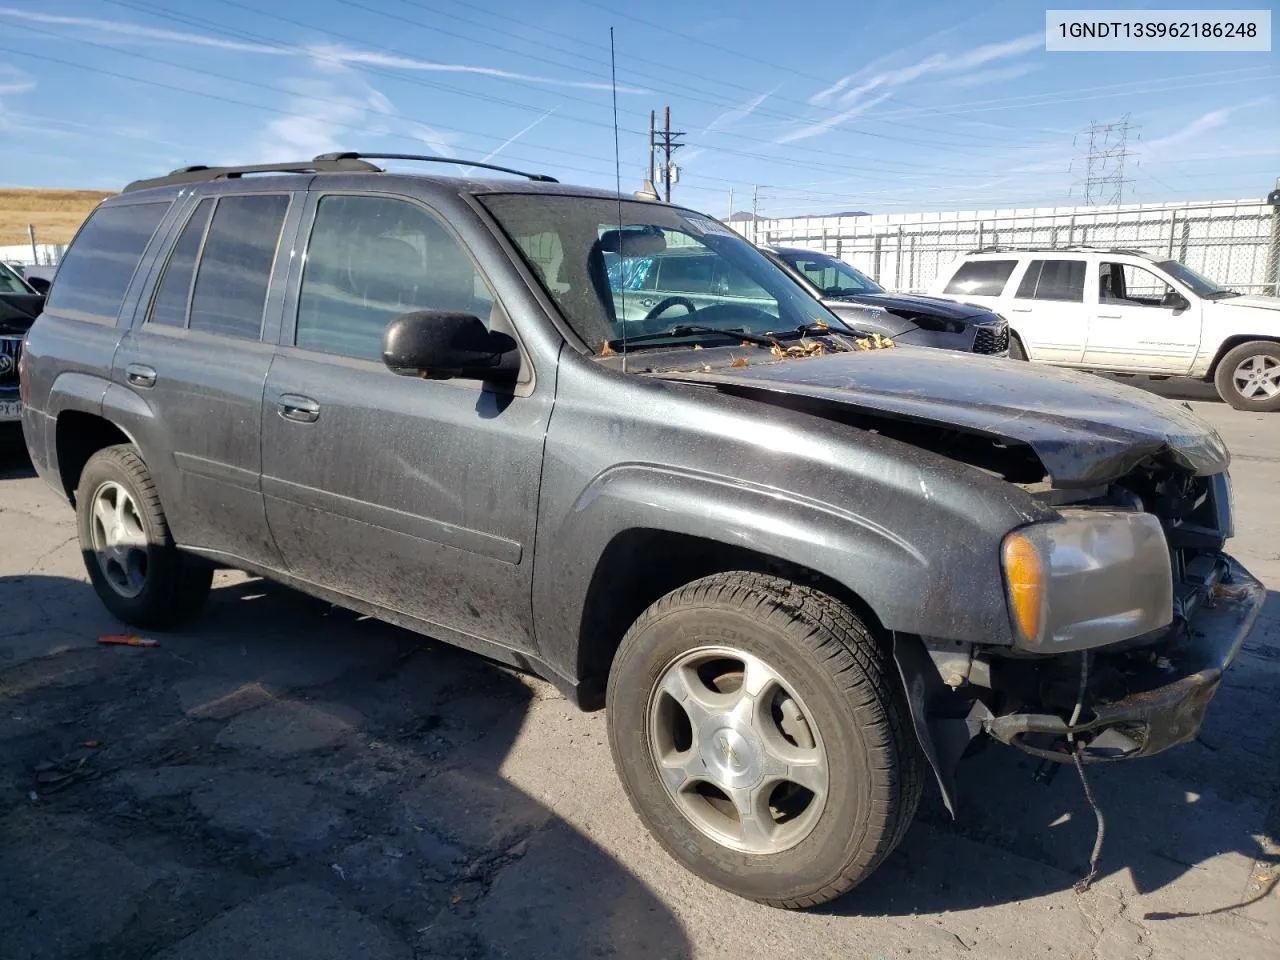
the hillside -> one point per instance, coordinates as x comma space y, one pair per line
56, 213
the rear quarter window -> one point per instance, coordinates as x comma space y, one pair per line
95, 272
981, 278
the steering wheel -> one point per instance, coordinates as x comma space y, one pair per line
685, 302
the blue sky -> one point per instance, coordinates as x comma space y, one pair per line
829, 105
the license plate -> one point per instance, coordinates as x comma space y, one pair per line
10, 410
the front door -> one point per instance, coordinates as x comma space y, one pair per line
1048, 311
416, 495
1141, 322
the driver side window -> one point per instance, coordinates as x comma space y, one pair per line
372, 259
1126, 284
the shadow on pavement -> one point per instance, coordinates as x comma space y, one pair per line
285, 779
14, 462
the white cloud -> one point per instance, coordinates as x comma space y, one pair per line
822, 126
512, 139
321, 115
137, 30
439, 142
326, 54
995, 75
333, 53
740, 112
1194, 130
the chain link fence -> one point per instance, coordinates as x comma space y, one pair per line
1236, 243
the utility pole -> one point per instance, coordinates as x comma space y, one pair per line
755, 202
668, 144
730, 204
1104, 178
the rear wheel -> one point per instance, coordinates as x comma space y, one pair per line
137, 571
1248, 377
763, 739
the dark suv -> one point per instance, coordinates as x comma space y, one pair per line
20, 304
799, 572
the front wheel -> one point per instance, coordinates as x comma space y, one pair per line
1248, 377
761, 735
137, 571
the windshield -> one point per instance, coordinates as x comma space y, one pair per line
1201, 286
10, 282
666, 268
833, 277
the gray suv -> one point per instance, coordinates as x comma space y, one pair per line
801, 574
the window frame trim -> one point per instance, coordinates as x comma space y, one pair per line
175, 237
287, 332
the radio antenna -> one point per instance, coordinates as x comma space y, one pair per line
617, 176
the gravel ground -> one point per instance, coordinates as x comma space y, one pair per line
283, 779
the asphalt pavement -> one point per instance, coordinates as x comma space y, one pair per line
284, 779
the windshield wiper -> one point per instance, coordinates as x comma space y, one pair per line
1223, 294
689, 330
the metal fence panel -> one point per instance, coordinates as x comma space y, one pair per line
1236, 243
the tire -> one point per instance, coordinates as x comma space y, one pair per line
1245, 374
1016, 350
148, 582
839, 680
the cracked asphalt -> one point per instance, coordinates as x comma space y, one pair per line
283, 779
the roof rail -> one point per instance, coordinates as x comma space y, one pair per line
200, 173
539, 177
1074, 248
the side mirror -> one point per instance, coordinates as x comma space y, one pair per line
1176, 301
39, 284
442, 345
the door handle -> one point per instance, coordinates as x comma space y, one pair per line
1108, 316
140, 375
299, 409
1019, 309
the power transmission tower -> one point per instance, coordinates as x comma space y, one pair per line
1108, 149
666, 140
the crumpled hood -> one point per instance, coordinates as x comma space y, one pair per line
914, 303
1085, 430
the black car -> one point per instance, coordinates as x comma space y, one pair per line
20, 304
800, 574
907, 318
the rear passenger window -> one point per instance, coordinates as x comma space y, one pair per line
1054, 280
981, 278
95, 273
372, 259
235, 268
170, 304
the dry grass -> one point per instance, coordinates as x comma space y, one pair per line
57, 214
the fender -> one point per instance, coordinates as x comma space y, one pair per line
908, 589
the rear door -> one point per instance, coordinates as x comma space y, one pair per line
1134, 325
196, 361
419, 496
1047, 309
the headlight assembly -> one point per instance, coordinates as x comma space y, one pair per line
1090, 579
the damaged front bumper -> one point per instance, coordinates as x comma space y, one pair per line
1142, 700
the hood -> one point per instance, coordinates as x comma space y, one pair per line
910, 303
1084, 430
18, 311
1249, 300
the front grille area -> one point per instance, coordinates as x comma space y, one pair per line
10, 348
992, 338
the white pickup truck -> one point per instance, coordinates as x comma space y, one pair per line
1124, 311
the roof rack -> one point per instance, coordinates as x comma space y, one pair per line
200, 173
325, 163
1074, 248
539, 177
